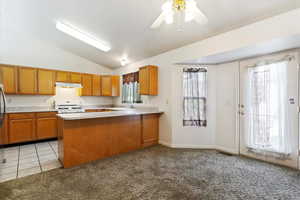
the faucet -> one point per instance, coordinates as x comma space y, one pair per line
131, 106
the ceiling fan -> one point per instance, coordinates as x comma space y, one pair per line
186, 8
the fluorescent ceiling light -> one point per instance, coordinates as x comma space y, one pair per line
80, 35
124, 61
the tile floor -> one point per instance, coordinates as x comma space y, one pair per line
25, 160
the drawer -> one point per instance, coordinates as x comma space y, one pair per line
45, 114
21, 116
92, 110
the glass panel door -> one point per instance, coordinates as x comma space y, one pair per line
268, 110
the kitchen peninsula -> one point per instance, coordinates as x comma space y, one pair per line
85, 137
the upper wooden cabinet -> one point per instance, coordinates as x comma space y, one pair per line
9, 78
148, 79
106, 85
96, 85
115, 86
46, 82
110, 85
27, 80
87, 82
75, 77
62, 76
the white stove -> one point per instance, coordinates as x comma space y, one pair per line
66, 107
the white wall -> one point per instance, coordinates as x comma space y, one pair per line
227, 96
171, 132
17, 48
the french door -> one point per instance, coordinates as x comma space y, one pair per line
269, 109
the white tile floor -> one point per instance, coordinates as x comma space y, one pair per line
25, 160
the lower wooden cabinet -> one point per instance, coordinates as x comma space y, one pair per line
3, 132
46, 125
150, 129
26, 127
21, 130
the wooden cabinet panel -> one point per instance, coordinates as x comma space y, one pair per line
21, 116
148, 79
96, 85
27, 80
3, 131
75, 77
46, 82
46, 114
115, 84
21, 130
9, 78
87, 82
129, 138
46, 128
106, 86
150, 129
62, 76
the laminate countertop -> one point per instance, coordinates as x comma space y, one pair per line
118, 112
29, 109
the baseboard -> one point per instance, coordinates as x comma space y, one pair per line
226, 150
191, 146
167, 144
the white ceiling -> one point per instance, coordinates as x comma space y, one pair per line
125, 24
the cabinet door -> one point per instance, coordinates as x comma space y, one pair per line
96, 85
144, 80
62, 76
86, 81
150, 126
46, 128
115, 84
75, 77
46, 82
21, 130
3, 132
9, 78
27, 80
148, 78
106, 89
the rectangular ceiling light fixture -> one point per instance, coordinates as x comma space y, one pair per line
80, 35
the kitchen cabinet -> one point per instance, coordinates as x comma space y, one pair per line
21, 128
87, 83
46, 125
96, 85
110, 85
46, 82
27, 80
115, 84
62, 76
148, 79
3, 132
9, 78
150, 129
75, 77
106, 85
28, 127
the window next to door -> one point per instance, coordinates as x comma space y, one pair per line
194, 97
130, 88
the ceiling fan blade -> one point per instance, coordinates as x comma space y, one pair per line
158, 21
166, 15
199, 16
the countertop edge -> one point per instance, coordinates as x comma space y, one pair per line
98, 115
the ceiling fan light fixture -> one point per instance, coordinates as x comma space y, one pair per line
124, 61
186, 9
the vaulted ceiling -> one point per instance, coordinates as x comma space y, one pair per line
125, 24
